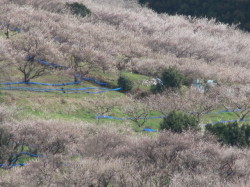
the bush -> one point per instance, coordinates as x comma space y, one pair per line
172, 78
8, 147
125, 84
78, 9
231, 133
157, 88
5, 138
178, 122
188, 81
246, 130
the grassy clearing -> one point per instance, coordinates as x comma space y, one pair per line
219, 117
137, 80
76, 107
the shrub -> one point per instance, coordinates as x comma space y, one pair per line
188, 81
231, 133
5, 138
172, 78
78, 9
246, 130
9, 147
178, 122
157, 88
125, 84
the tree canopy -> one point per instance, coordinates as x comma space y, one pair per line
232, 134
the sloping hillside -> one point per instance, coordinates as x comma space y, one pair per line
143, 40
88, 99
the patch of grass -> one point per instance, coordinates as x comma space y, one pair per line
226, 116
135, 77
25, 159
137, 80
75, 107
11, 33
56, 105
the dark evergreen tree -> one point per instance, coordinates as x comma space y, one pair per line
231, 134
172, 78
125, 84
227, 11
178, 122
78, 9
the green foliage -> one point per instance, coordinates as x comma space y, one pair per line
157, 88
125, 83
246, 129
172, 78
5, 144
227, 11
188, 80
78, 9
4, 137
231, 133
178, 122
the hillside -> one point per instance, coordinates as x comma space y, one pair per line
88, 89
148, 41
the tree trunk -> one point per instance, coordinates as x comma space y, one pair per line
7, 32
26, 78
